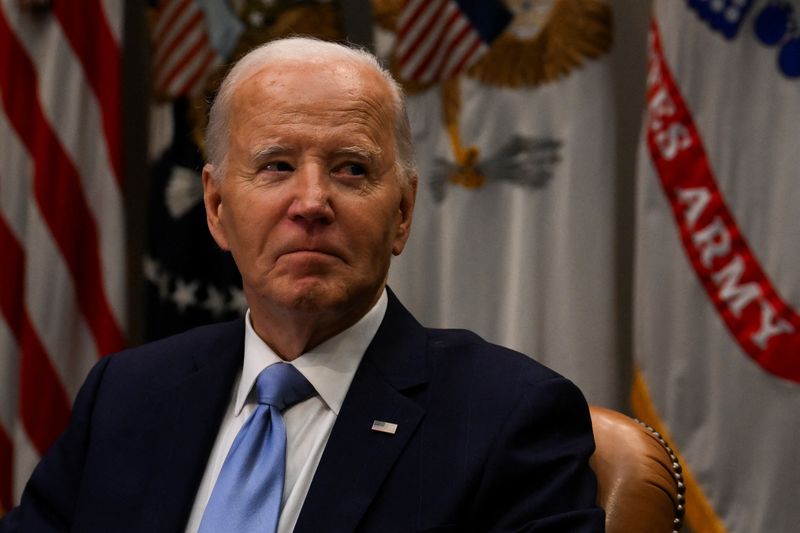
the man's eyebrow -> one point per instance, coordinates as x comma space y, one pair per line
372, 155
259, 155
361, 152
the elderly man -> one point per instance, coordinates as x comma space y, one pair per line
328, 408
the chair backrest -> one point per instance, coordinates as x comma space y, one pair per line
639, 483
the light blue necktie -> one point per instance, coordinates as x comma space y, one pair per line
248, 492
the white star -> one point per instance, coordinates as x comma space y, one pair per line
238, 302
215, 302
155, 275
150, 268
184, 294
184, 190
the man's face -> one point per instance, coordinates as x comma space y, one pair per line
310, 205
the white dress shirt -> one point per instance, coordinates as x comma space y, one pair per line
329, 367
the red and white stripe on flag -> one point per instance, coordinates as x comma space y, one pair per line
183, 56
435, 41
62, 275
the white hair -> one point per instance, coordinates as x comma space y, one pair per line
304, 49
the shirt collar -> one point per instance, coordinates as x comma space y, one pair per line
329, 367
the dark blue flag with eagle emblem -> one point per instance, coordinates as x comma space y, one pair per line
190, 280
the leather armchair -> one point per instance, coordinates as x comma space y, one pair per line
640, 486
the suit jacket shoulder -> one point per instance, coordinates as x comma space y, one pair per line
138, 439
486, 439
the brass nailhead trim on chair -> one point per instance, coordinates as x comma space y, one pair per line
680, 509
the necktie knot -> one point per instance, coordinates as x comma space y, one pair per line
281, 385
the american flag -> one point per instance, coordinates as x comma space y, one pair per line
437, 39
183, 55
62, 239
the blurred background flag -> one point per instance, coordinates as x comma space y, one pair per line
62, 296
717, 291
514, 227
189, 280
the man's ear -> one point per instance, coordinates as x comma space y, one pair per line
212, 198
407, 201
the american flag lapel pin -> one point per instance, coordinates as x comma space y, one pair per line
384, 427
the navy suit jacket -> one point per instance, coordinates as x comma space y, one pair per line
487, 440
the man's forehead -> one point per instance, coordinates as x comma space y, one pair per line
312, 80
289, 103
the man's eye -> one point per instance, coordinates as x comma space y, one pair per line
278, 166
352, 170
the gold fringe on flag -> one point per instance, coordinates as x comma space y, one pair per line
700, 514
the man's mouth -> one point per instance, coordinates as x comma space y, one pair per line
311, 252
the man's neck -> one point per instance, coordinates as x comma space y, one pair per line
291, 333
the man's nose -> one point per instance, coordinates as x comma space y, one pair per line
311, 202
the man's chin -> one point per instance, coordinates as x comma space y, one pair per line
309, 295
308, 263
316, 294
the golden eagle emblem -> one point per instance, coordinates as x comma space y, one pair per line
545, 41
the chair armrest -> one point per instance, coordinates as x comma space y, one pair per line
639, 479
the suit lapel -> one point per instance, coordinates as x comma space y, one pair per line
189, 410
357, 459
